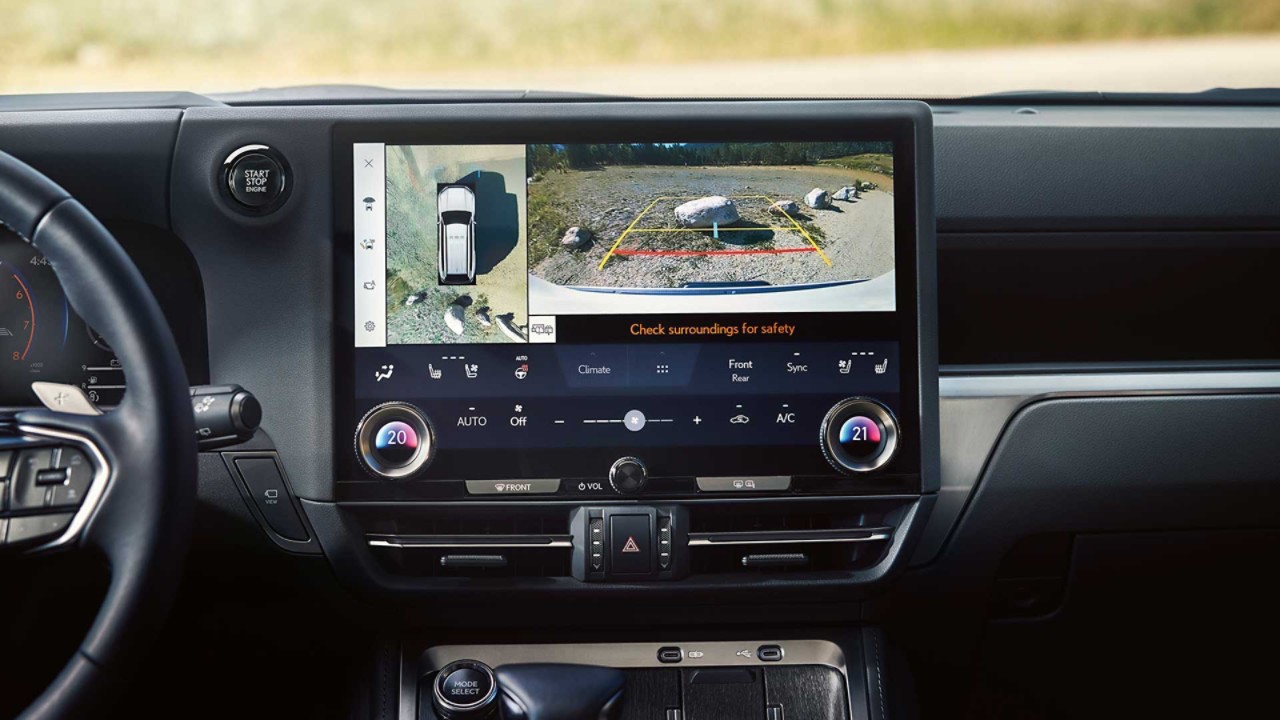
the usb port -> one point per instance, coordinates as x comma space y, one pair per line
670, 655
769, 653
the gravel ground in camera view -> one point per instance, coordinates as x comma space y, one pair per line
855, 236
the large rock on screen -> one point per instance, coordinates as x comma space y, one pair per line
817, 198
453, 318
704, 212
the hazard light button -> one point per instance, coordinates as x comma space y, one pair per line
630, 545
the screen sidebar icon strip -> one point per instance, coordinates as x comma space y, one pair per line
369, 239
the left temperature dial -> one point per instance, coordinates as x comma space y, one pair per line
395, 440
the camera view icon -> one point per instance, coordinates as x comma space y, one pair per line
542, 328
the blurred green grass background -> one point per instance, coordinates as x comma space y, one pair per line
241, 44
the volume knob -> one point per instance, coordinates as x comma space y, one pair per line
628, 475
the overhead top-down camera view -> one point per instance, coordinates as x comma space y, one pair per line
639, 360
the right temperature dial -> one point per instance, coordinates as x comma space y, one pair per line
859, 435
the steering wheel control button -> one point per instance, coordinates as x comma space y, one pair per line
266, 487
744, 484
859, 435
76, 475
27, 492
32, 528
513, 487
395, 440
630, 545
628, 475
256, 178
464, 689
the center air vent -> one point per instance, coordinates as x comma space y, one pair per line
790, 540
477, 545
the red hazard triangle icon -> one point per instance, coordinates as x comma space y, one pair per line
631, 545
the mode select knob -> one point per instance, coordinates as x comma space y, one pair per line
628, 475
395, 440
464, 690
859, 435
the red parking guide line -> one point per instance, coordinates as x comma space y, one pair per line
695, 253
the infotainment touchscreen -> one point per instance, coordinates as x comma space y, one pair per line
701, 307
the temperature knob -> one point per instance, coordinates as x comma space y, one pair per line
859, 435
395, 440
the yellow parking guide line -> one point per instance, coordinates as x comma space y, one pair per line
621, 237
805, 233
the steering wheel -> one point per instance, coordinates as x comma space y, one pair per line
132, 469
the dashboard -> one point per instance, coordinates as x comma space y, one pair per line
623, 362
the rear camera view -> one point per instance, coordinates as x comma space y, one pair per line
674, 227
455, 241
494, 243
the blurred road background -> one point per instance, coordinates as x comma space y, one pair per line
644, 47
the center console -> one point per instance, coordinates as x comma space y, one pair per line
634, 344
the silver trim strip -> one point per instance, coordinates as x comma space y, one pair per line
707, 542
641, 655
459, 541
97, 486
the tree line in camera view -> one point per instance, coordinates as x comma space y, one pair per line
544, 158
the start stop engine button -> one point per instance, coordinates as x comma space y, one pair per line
256, 178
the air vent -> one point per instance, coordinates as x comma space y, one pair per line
783, 541
476, 545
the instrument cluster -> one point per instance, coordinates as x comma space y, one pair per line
42, 337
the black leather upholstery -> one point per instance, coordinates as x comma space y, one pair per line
559, 692
141, 525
